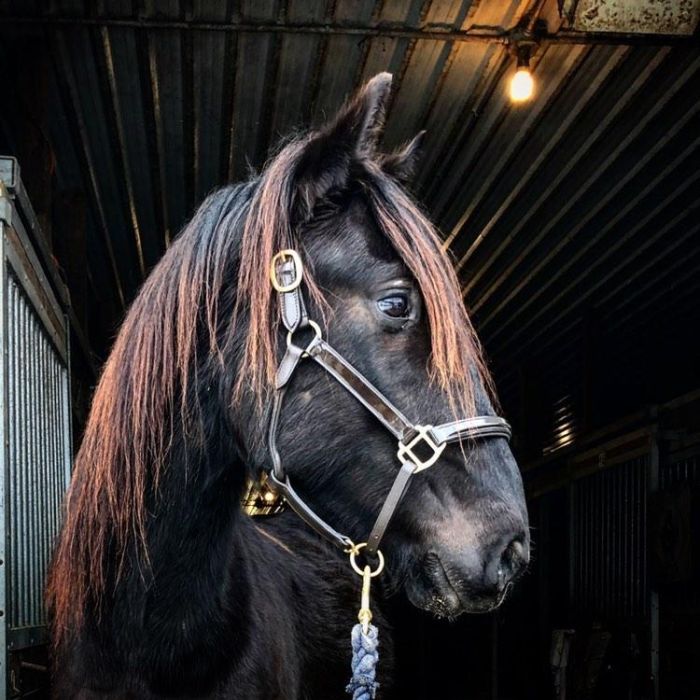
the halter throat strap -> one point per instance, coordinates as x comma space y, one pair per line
419, 446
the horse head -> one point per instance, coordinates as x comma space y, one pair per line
386, 298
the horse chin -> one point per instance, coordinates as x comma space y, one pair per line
431, 589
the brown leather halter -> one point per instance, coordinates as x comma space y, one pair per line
286, 273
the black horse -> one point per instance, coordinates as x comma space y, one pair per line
161, 586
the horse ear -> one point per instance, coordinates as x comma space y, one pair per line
401, 164
353, 134
360, 121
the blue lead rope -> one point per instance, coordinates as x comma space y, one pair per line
365, 655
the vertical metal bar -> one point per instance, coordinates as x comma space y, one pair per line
583, 537
4, 469
44, 466
58, 464
580, 538
629, 505
36, 469
602, 549
67, 403
632, 541
29, 503
10, 571
588, 567
614, 507
637, 537
654, 612
57, 458
595, 503
596, 539
24, 383
31, 435
602, 573
49, 504
573, 543
621, 527
52, 491
595, 528
603, 485
610, 544
39, 471
13, 560
585, 525
600, 479
642, 468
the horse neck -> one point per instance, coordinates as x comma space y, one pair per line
195, 511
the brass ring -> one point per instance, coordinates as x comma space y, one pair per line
357, 569
298, 270
317, 331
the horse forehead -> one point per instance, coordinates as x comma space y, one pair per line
351, 253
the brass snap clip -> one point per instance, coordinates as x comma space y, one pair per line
364, 617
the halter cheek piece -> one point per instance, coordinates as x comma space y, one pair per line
286, 274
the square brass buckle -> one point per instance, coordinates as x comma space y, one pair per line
406, 453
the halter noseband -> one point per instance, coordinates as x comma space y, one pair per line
286, 273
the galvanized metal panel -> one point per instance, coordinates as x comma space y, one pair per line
36, 376
34, 433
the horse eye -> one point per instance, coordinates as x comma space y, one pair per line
395, 306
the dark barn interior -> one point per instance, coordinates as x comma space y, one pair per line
572, 219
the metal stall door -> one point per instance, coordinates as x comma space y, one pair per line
36, 446
610, 593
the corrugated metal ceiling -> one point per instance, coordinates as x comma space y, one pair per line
582, 201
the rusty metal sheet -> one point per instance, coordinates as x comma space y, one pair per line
636, 16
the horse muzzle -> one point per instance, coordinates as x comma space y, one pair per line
449, 581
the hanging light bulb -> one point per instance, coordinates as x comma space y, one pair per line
521, 84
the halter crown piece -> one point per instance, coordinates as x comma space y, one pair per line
286, 275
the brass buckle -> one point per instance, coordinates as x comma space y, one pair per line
298, 270
406, 453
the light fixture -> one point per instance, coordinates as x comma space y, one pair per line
521, 84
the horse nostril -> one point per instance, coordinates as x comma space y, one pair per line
512, 560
